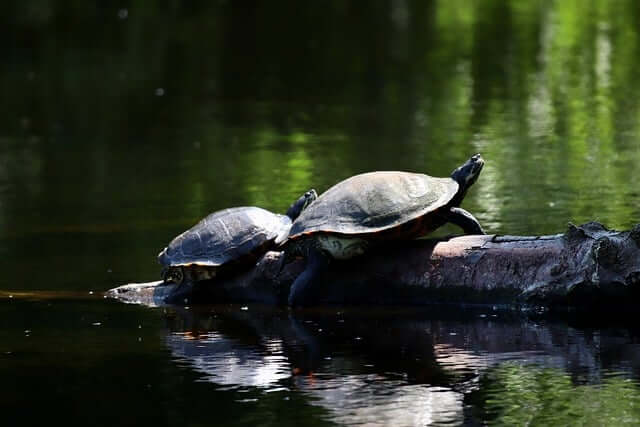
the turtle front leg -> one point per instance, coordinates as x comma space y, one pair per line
302, 286
465, 220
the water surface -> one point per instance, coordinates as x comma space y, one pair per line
123, 125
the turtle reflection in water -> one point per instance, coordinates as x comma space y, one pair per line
370, 208
225, 241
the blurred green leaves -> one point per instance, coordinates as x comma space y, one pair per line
515, 395
146, 116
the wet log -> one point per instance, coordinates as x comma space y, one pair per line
587, 266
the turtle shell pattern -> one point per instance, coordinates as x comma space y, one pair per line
374, 202
226, 236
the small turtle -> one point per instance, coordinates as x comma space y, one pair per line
374, 207
225, 241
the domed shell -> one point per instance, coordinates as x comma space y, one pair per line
373, 202
226, 236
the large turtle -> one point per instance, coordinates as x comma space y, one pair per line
225, 241
374, 207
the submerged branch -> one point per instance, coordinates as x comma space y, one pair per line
587, 265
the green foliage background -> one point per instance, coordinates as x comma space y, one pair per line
124, 123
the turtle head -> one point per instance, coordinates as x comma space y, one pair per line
468, 173
299, 205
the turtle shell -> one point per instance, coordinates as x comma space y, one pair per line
374, 202
226, 236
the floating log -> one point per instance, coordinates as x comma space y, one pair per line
588, 265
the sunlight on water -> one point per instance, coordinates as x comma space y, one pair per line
372, 400
225, 362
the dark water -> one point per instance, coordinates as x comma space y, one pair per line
99, 362
123, 124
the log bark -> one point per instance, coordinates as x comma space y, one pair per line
587, 266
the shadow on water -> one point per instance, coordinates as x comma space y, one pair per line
399, 366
